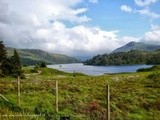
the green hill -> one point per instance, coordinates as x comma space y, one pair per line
137, 46
32, 56
123, 58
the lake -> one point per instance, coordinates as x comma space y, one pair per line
96, 70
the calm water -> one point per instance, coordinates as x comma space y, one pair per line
96, 70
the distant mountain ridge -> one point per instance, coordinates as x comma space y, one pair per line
137, 46
131, 53
33, 56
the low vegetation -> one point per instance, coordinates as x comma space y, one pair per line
133, 96
154, 68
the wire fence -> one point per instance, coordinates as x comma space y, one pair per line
90, 114
22, 117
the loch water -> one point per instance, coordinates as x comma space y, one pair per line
97, 70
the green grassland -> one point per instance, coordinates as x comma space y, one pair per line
134, 96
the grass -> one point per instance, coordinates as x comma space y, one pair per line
134, 96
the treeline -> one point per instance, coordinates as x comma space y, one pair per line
9, 65
123, 58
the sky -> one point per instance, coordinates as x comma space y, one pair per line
78, 28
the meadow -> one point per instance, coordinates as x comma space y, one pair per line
133, 96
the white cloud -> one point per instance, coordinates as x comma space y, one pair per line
93, 1
126, 8
79, 11
153, 36
148, 13
52, 9
143, 3
76, 41
126, 39
155, 27
40, 24
145, 8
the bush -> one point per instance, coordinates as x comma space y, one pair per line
154, 68
41, 64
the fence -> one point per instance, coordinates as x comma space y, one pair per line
24, 116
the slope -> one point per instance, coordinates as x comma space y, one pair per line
32, 56
137, 46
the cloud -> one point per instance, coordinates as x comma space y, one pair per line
40, 24
93, 1
126, 8
48, 9
148, 13
82, 41
144, 8
155, 27
153, 36
143, 3
75, 41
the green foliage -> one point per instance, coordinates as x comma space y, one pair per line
156, 78
3, 56
39, 108
49, 71
154, 68
16, 64
41, 64
2, 52
38, 67
123, 58
9, 66
11, 106
154, 58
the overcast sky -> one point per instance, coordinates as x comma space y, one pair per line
78, 27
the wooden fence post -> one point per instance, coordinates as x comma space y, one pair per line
108, 102
18, 91
56, 96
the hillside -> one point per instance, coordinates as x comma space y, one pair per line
32, 56
124, 58
137, 46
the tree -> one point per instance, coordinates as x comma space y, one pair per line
43, 64
6, 67
2, 52
9, 65
3, 56
16, 64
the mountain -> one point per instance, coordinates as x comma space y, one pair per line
32, 56
137, 46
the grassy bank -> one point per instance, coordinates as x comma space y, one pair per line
134, 96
